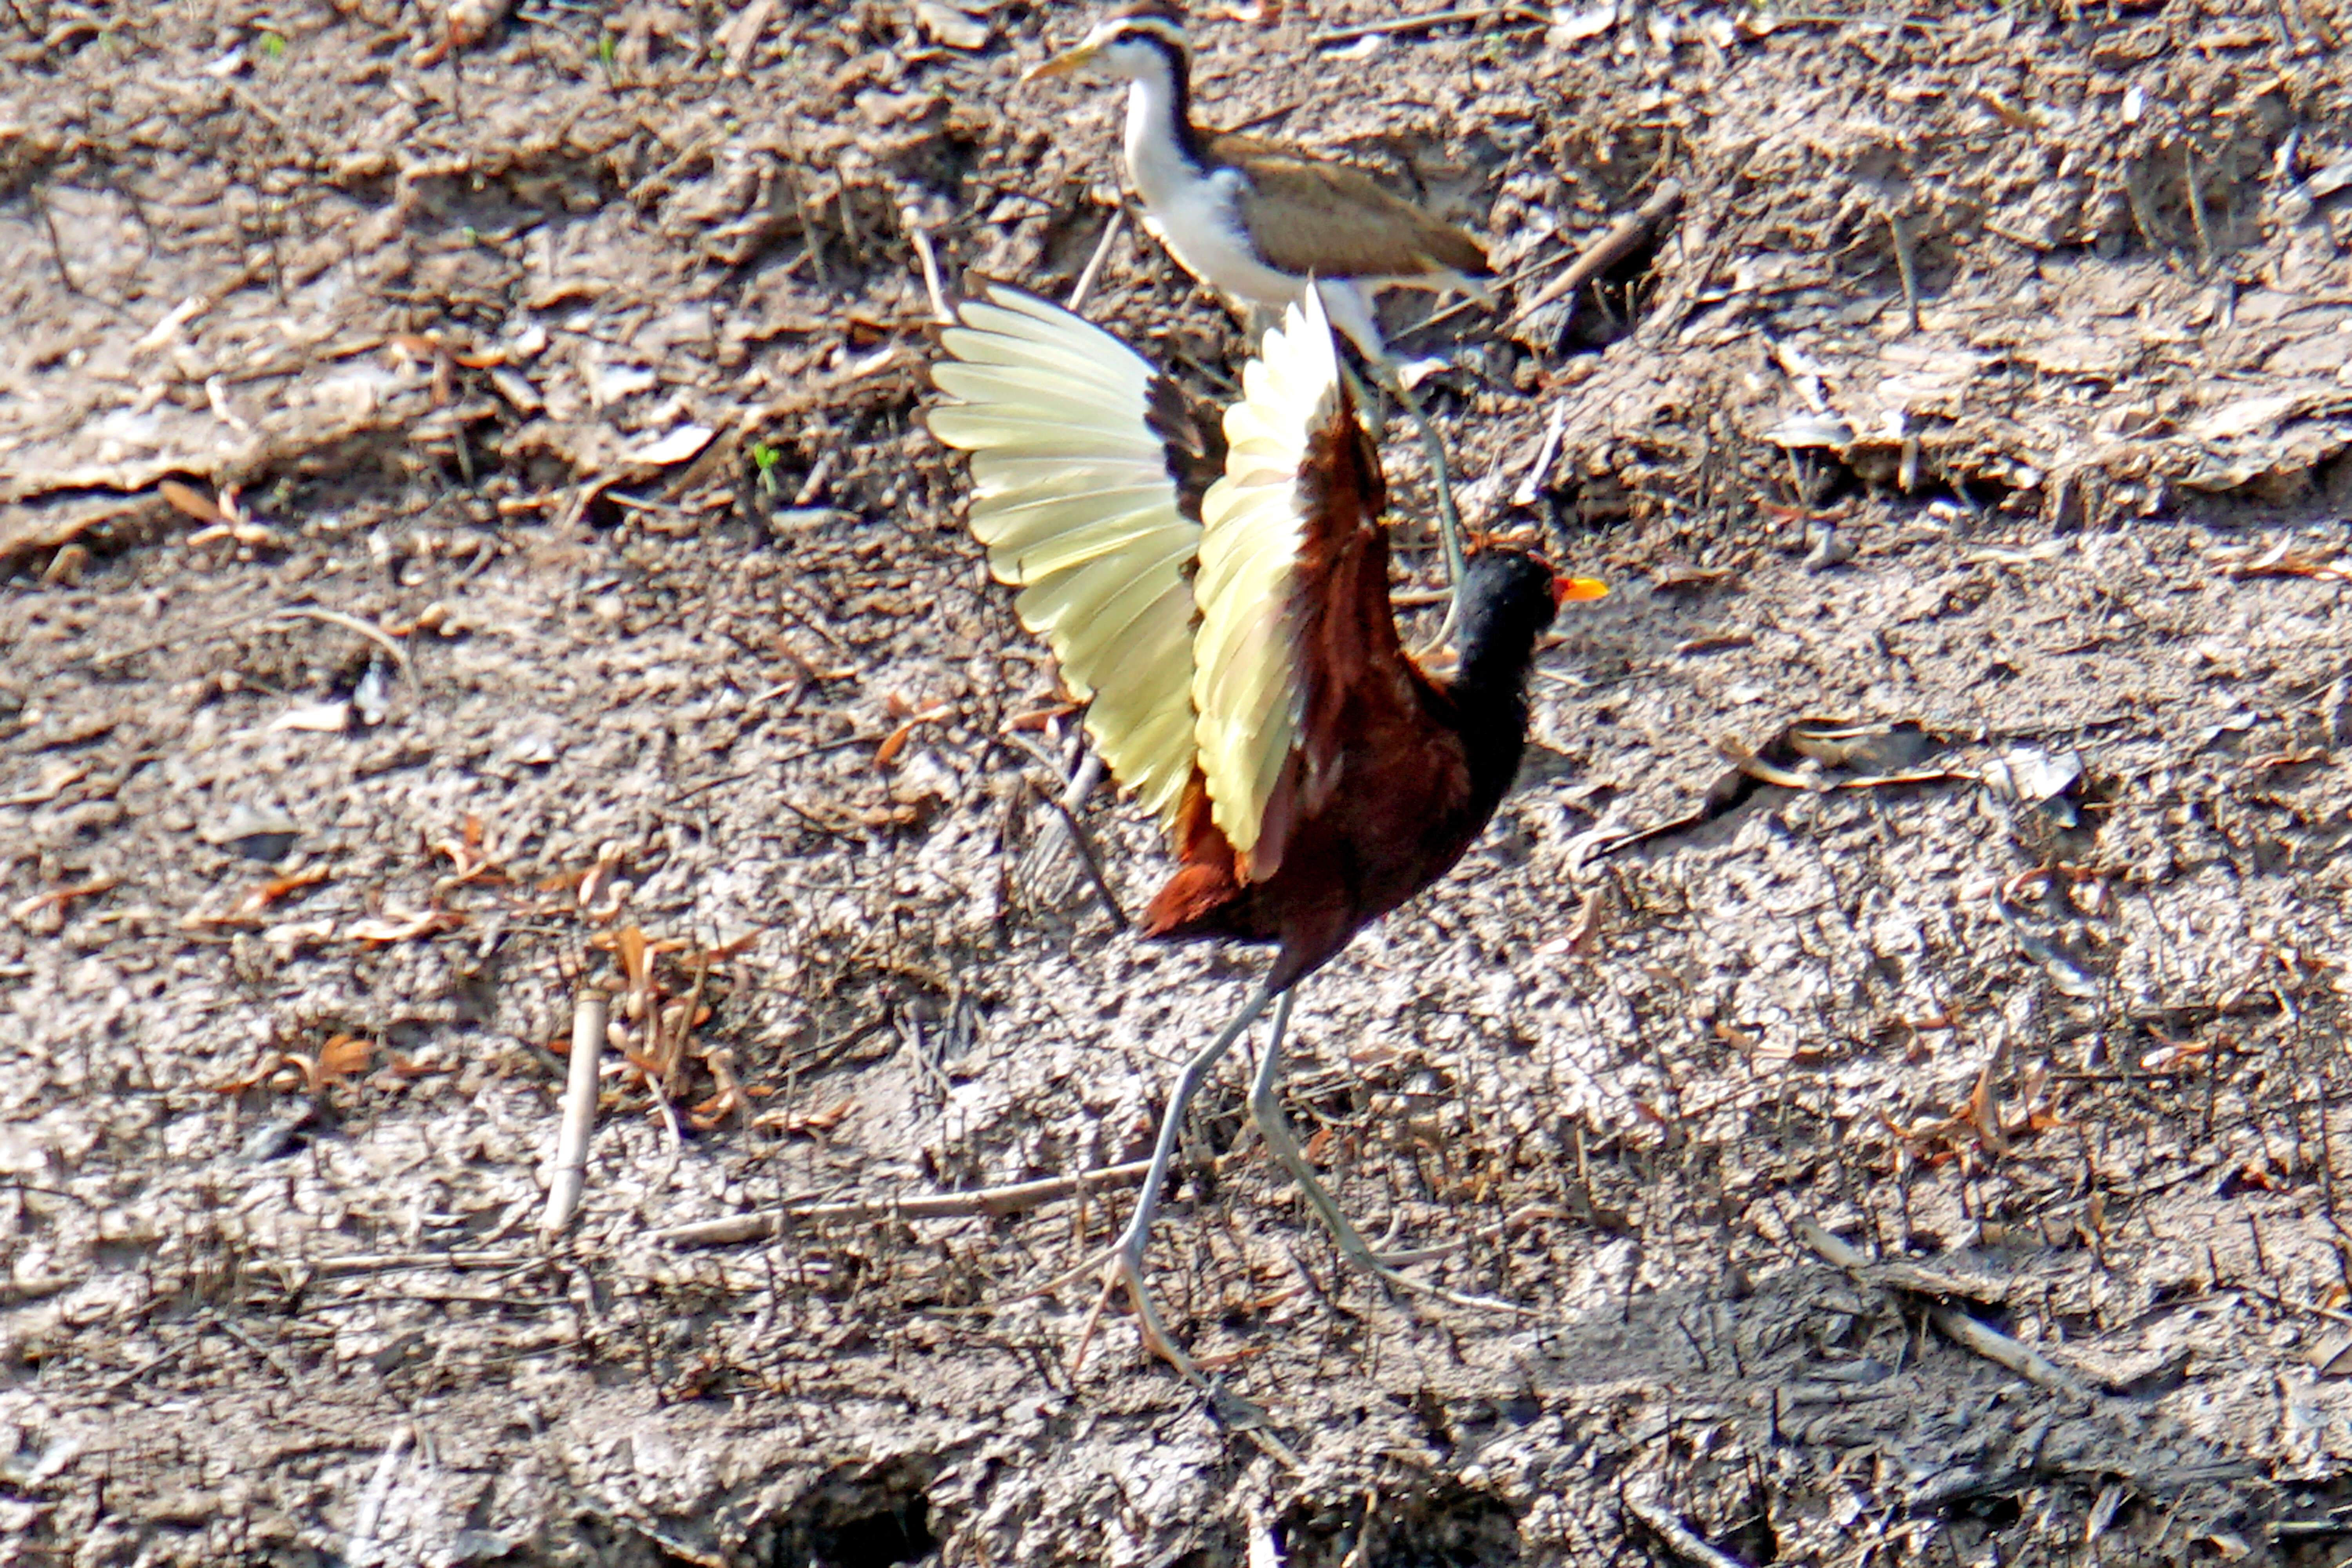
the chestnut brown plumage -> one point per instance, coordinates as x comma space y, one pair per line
1241, 655
1425, 763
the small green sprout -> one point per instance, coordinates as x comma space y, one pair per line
272, 45
765, 458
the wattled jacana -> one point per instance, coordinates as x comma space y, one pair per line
1223, 599
1259, 221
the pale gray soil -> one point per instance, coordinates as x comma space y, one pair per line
589, 579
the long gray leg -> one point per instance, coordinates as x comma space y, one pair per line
1265, 1111
1449, 521
1125, 1267
1349, 304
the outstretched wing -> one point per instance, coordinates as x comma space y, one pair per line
1076, 444
1293, 591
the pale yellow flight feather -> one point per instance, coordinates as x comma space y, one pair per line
1246, 685
1072, 497
1182, 663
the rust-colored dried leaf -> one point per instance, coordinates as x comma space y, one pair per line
341, 1057
398, 927
193, 501
630, 947
258, 900
1038, 718
726, 950
815, 1121
716, 1112
263, 1070
50, 906
895, 742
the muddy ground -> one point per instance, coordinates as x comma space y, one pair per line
468, 534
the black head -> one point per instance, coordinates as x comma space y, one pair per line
1507, 600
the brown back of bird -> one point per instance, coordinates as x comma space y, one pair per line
1376, 804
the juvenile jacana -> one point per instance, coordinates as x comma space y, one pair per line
1257, 220
1222, 598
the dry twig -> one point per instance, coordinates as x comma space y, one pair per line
930, 263
1954, 1324
1102, 253
388, 1262
1080, 842
1906, 264
1018, 1198
1611, 248
375, 634
591, 1010
1527, 15
1677, 1536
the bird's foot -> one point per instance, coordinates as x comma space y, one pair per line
1125, 1267
1388, 1267
1384, 1266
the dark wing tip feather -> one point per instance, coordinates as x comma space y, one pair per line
1195, 443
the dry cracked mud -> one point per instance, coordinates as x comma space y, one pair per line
466, 535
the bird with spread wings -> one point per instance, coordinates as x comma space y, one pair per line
1219, 598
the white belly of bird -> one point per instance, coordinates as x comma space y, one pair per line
1199, 221
1195, 215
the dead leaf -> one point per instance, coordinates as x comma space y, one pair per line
2279, 560
340, 1058
396, 926
1584, 935
951, 25
57, 778
465, 853
258, 898
814, 1122
1714, 643
50, 906
597, 892
1038, 718
676, 447
318, 717
193, 501
630, 947
895, 742
712, 956
268, 1067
